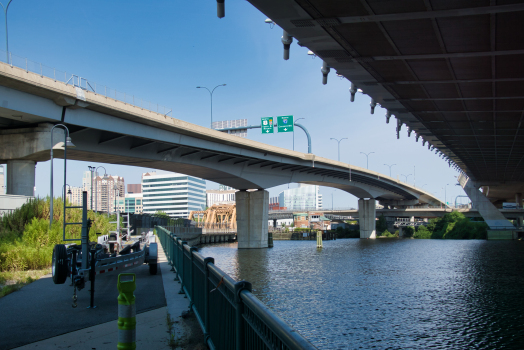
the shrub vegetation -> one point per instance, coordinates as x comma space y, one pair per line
27, 242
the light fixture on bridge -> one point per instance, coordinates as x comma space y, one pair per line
221, 11
353, 91
311, 53
286, 40
399, 127
373, 104
417, 136
388, 116
325, 71
270, 22
409, 131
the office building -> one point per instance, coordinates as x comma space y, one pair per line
134, 188
305, 197
172, 193
224, 195
131, 203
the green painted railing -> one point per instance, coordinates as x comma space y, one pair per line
230, 316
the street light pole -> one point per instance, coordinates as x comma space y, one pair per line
389, 168
6, 36
294, 131
211, 94
345, 138
367, 158
67, 142
91, 169
406, 176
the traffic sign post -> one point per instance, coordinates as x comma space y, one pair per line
285, 123
267, 125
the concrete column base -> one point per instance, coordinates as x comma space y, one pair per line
367, 218
252, 218
21, 177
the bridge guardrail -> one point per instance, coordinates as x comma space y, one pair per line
230, 316
78, 81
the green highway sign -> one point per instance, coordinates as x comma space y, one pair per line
267, 125
285, 123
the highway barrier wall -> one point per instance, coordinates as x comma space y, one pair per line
230, 316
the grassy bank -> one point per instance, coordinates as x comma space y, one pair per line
27, 241
452, 225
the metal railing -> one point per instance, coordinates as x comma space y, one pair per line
83, 83
230, 316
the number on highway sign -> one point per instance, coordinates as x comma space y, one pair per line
285, 123
267, 125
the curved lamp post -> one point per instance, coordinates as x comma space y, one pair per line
211, 94
389, 168
6, 37
294, 132
367, 158
345, 138
67, 143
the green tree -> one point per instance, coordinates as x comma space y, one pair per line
422, 233
408, 231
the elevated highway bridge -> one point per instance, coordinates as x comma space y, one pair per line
110, 131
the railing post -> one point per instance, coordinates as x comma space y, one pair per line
239, 311
191, 279
182, 276
206, 297
175, 258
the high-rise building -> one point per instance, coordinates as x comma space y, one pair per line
305, 197
86, 186
173, 193
75, 197
106, 190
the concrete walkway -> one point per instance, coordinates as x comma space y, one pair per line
152, 326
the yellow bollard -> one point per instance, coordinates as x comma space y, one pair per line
126, 313
319, 239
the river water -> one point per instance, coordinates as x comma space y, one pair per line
389, 293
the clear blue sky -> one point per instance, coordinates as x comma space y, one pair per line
161, 50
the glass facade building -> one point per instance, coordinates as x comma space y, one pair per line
305, 197
172, 193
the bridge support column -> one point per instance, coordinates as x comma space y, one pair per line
252, 218
367, 218
21, 177
491, 215
518, 200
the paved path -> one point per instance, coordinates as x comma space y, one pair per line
40, 315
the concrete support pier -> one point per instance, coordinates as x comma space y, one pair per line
367, 217
252, 218
21, 177
491, 215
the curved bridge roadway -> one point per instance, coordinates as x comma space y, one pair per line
110, 131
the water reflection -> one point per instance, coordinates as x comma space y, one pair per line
390, 294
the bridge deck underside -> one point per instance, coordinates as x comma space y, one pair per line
450, 70
183, 151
